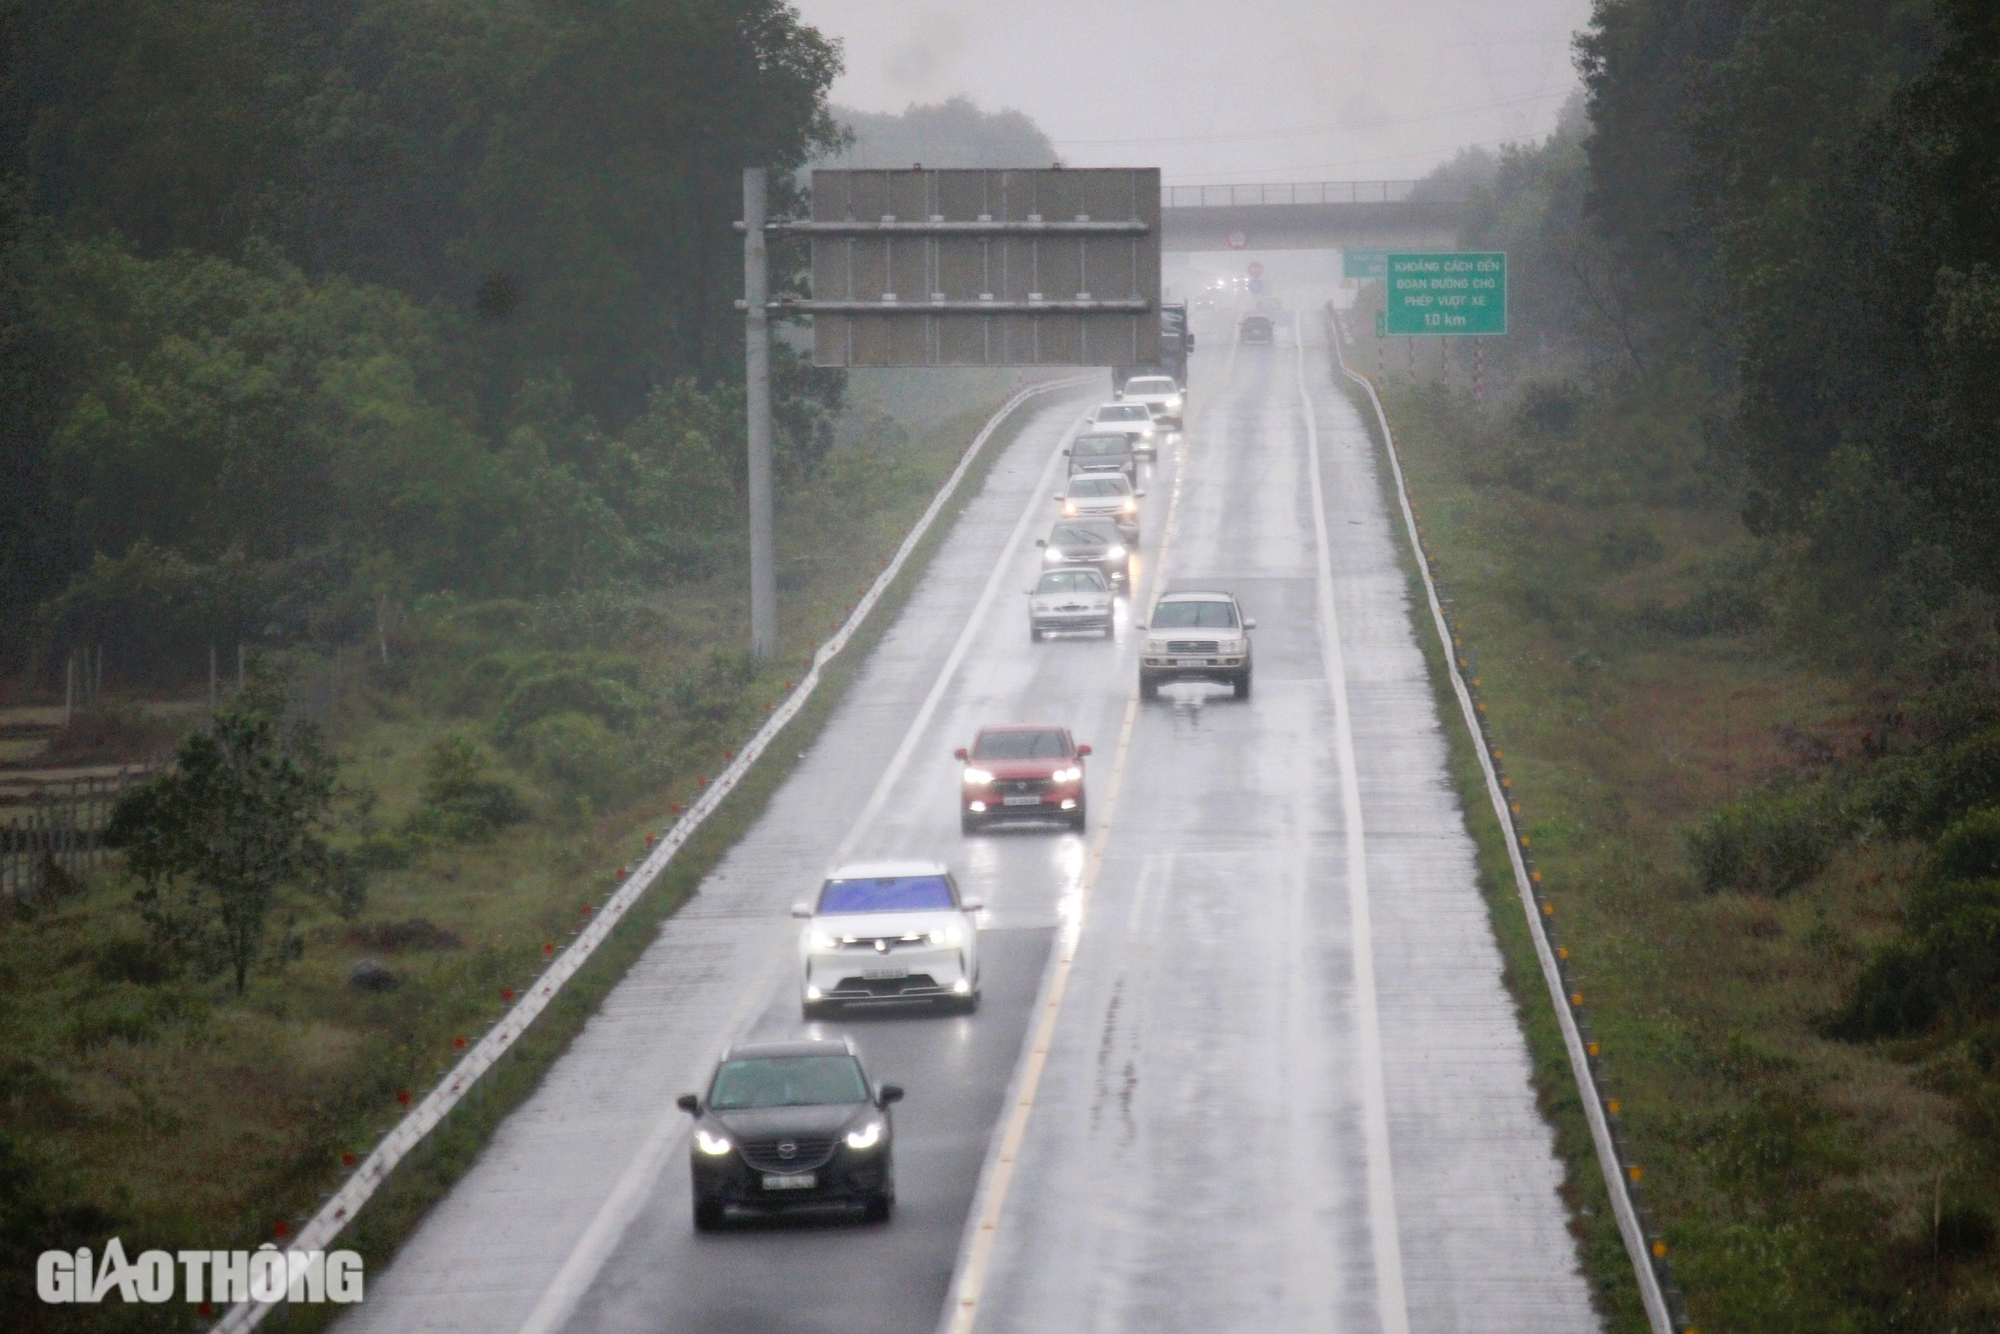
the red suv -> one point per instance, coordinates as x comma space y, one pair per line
1021, 771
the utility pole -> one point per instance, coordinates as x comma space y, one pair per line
757, 401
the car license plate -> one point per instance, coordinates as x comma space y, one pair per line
1021, 801
792, 1181
885, 974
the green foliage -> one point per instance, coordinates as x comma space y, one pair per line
1946, 963
1771, 841
304, 306
219, 841
461, 800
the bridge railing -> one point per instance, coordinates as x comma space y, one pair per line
1310, 192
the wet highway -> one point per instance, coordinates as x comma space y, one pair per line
1281, 1084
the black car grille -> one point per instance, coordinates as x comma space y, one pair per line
806, 1153
855, 988
1020, 787
880, 944
1191, 646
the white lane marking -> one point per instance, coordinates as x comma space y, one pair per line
973, 625
622, 1207
961, 1309
1390, 1300
634, 1187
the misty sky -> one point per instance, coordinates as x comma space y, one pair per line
1356, 90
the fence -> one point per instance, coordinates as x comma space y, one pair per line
60, 835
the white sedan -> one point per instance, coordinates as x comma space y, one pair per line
1160, 394
1134, 421
889, 931
1069, 599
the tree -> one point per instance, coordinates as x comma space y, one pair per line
236, 826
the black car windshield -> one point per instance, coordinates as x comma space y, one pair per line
1194, 616
1079, 535
1150, 386
1133, 412
896, 893
1101, 444
1101, 486
1071, 581
787, 1081
1042, 745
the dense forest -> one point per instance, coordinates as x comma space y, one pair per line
1787, 214
309, 306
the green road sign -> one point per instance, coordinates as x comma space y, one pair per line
1364, 263
1463, 293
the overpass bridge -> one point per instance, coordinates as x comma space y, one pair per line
1315, 215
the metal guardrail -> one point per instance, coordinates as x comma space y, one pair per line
1665, 1307
1312, 192
430, 1112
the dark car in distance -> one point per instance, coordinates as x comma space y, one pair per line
1094, 542
1254, 329
1102, 452
786, 1125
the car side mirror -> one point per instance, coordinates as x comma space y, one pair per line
958, 754
1139, 492
1082, 751
1249, 622
972, 905
889, 1093
1041, 541
802, 910
689, 1103
1065, 453
1057, 496
1138, 625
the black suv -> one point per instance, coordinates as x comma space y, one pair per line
787, 1124
1254, 329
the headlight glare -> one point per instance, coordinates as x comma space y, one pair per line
712, 1145
824, 940
977, 777
944, 935
867, 1137
1053, 556
1069, 775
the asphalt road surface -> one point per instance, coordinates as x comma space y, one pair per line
1283, 1087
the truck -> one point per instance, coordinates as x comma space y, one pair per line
1176, 342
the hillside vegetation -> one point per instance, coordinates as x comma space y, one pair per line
1720, 534
387, 349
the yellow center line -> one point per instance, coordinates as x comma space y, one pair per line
979, 1255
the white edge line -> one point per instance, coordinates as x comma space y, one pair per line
1391, 1301
1657, 1315
989, 1198
340, 1209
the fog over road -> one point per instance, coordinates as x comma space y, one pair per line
1234, 1129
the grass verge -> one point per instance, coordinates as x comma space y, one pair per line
1804, 1183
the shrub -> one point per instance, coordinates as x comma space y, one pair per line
1918, 798
462, 802
576, 753
1769, 842
1946, 965
586, 689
